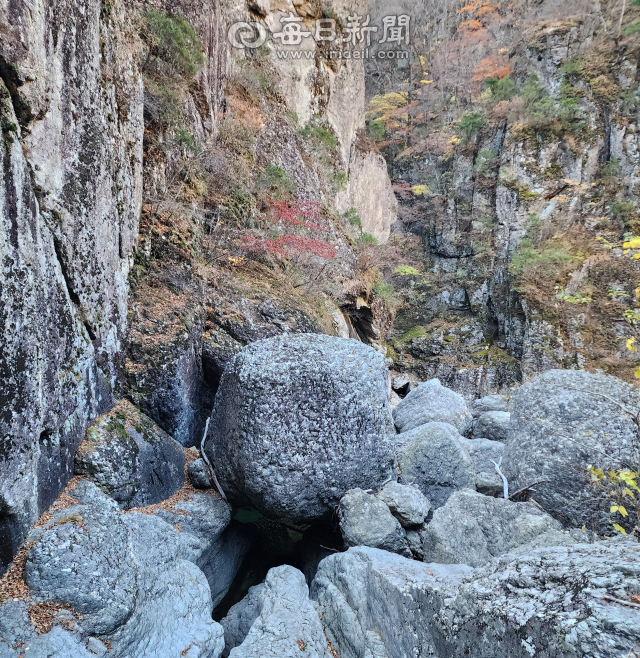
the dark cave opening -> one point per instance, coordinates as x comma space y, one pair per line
11, 535
279, 542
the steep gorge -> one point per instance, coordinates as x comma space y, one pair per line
161, 213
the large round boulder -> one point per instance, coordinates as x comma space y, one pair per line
431, 402
435, 460
300, 420
562, 422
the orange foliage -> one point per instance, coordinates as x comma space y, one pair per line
471, 26
487, 10
467, 8
490, 68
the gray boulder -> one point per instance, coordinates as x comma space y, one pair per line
209, 541
483, 453
366, 521
241, 618
407, 504
492, 425
92, 577
129, 457
548, 602
287, 624
298, 421
431, 402
197, 471
472, 529
435, 460
489, 403
134, 577
58, 643
562, 422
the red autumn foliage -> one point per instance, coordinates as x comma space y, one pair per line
286, 244
296, 213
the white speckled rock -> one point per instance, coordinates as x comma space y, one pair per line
563, 421
435, 460
472, 528
298, 421
483, 453
547, 603
431, 402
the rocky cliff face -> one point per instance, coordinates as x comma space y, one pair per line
71, 151
84, 95
514, 152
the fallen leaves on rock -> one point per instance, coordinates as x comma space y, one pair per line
43, 616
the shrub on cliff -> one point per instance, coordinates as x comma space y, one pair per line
174, 40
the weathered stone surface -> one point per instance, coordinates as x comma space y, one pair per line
134, 577
366, 521
287, 625
407, 504
240, 619
435, 460
130, 458
369, 191
70, 199
91, 577
483, 454
562, 422
58, 642
489, 403
197, 471
492, 425
472, 528
431, 402
548, 603
298, 421
209, 540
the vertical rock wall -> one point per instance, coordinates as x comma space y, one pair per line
70, 197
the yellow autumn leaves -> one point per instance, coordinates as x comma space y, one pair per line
624, 481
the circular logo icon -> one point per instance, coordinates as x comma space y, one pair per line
247, 35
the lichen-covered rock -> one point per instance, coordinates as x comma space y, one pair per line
483, 454
489, 403
70, 199
366, 521
406, 503
300, 420
197, 471
562, 422
492, 425
431, 402
91, 577
472, 528
134, 577
287, 625
548, 602
435, 460
130, 458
